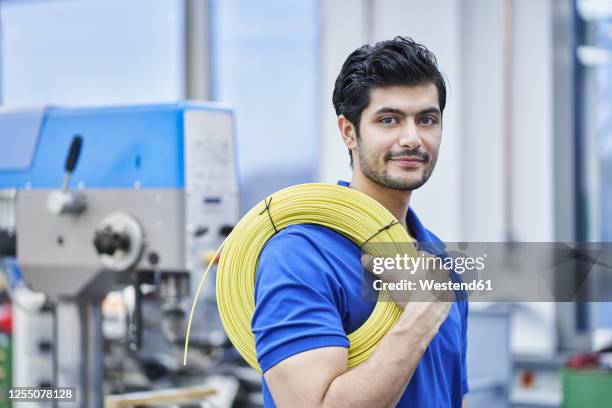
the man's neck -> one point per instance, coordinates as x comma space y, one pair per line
396, 201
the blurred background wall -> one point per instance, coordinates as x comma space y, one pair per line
91, 52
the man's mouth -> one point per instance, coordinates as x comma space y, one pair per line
408, 162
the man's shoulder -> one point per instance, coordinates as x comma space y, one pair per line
306, 253
304, 261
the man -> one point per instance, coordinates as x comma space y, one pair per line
389, 99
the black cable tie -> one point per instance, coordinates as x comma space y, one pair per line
386, 227
267, 209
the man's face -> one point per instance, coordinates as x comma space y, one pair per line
400, 133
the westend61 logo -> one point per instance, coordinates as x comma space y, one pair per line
413, 264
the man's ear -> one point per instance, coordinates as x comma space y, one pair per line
347, 131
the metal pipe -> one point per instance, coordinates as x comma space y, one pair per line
79, 351
368, 21
197, 49
508, 112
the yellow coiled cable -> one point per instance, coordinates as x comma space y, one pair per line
344, 210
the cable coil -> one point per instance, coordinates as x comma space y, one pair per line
344, 210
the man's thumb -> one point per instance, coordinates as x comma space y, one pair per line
367, 261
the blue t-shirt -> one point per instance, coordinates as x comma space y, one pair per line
308, 294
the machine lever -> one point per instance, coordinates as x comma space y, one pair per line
72, 159
64, 201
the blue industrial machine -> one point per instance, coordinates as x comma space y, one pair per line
107, 196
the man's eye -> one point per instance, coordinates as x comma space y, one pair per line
388, 120
428, 121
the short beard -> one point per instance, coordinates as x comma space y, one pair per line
367, 164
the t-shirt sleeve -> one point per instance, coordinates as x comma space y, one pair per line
297, 300
464, 379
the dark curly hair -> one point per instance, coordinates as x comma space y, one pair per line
400, 61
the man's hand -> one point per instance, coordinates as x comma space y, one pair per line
425, 310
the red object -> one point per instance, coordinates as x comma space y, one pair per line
527, 379
583, 360
6, 319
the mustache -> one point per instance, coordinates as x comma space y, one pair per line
419, 154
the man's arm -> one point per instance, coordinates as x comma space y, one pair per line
320, 377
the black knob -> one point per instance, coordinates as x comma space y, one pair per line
73, 153
153, 258
225, 230
44, 346
201, 230
107, 241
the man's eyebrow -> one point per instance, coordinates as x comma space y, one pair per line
387, 109
433, 109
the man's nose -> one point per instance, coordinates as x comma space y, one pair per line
410, 137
